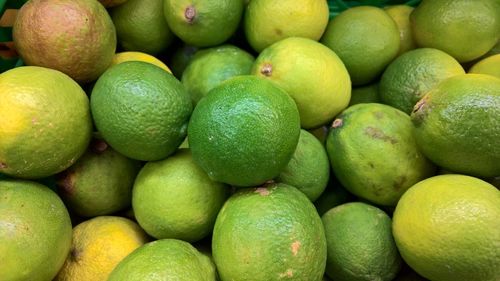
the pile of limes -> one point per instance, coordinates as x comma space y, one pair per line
252, 140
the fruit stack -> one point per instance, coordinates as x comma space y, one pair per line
251, 140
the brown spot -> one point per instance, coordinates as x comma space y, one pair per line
262, 191
371, 165
267, 69
190, 14
287, 273
418, 106
399, 183
337, 123
98, 146
3, 165
378, 134
295, 247
278, 31
74, 255
65, 182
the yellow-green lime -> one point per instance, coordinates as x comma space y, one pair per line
272, 232
489, 65
245, 131
46, 124
35, 232
456, 124
309, 168
141, 110
365, 94
209, 67
374, 154
411, 75
267, 22
366, 39
360, 244
311, 74
464, 29
446, 228
166, 259
203, 23
141, 26
98, 245
401, 16
174, 198
138, 56
99, 183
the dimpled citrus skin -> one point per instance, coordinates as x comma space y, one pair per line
413, 74
267, 22
35, 231
462, 28
141, 110
360, 245
74, 37
373, 153
269, 233
45, 125
366, 39
456, 125
166, 259
203, 23
312, 74
446, 228
244, 132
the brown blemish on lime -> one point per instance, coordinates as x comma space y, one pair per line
418, 106
262, 191
376, 133
295, 247
65, 182
378, 115
74, 255
190, 14
278, 31
3, 165
267, 69
399, 183
337, 123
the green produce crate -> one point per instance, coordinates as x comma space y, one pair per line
338, 6
8, 55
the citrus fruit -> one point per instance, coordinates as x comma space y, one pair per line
455, 26
35, 232
203, 23
365, 94
446, 228
410, 76
141, 110
489, 65
311, 74
267, 22
99, 244
456, 124
359, 243
174, 198
272, 232
401, 16
138, 56
81, 45
167, 259
373, 153
46, 124
209, 67
309, 169
99, 183
244, 132
366, 39
141, 26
